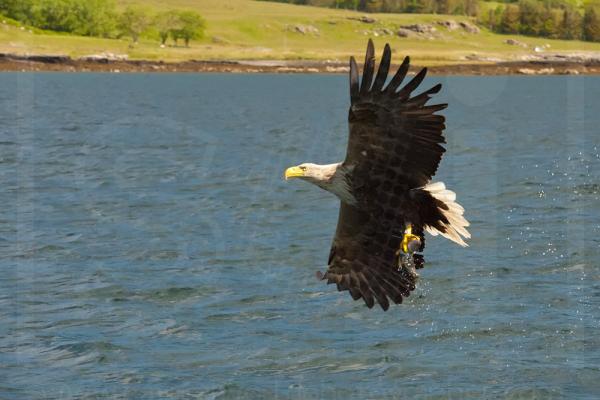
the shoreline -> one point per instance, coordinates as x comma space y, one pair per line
551, 65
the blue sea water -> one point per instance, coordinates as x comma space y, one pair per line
149, 247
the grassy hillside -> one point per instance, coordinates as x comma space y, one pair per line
245, 29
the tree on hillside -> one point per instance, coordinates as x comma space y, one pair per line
82, 17
164, 23
19, 10
570, 27
530, 12
190, 25
471, 7
374, 5
350, 4
54, 15
493, 18
591, 25
94, 17
510, 19
416, 6
133, 22
550, 22
442, 6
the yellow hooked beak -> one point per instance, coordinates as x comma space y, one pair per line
293, 172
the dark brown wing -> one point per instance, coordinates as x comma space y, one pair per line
394, 146
363, 260
391, 133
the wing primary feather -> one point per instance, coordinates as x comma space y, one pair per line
353, 79
400, 282
377, 290
428, 110
346, 280
354, 292
369, 67
365, 290
334, 278
384, 68
392, 291
398, 76
367, 297
422, 98
413, 84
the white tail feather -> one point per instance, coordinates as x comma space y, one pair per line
456, 226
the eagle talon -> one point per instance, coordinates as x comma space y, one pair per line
410, 242
408, 261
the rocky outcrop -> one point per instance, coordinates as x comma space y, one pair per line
104, 57
470, 28
451, 25
580, 58
404, 32
304, 29
37, 58
378, 32
514, 42
364, 19
420, 28
531, 71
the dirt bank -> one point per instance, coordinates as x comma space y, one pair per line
556, 66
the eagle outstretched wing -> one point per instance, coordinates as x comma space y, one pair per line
390, 131
394, 148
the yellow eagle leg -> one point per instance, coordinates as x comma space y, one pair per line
407, 239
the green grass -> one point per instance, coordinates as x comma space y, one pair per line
246, 29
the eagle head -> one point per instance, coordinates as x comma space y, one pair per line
313, 173
331, 177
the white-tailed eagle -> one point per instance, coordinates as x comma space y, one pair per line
387, 198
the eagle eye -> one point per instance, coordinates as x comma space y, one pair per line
303, 168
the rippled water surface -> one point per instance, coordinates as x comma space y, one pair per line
150, 248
